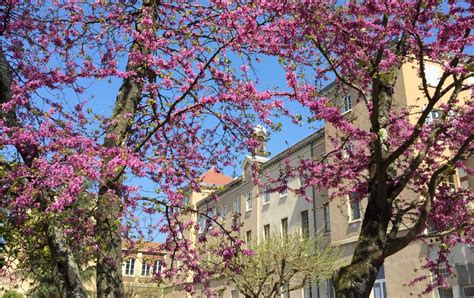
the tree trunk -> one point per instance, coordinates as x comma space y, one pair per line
109, 258
65, 266
356, 279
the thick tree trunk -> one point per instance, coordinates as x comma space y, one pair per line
109, 205
109, 258
65, 266
356, 279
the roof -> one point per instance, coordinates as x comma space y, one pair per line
213, 177
144, 247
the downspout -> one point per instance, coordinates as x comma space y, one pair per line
313, 195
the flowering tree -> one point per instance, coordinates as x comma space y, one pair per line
181, 108
398, 156
178, 74
280, 261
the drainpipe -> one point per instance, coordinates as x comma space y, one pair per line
313, 194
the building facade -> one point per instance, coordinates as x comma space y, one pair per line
261, 212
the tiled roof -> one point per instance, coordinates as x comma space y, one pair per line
215, 178
141, 247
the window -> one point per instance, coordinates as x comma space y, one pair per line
234, 294
308, 292
266, 232
284, 227
158, 267
326, 218
284, 192
330, 288
285, 290
443, 272
146, 268
449, 181
130, 267
346, 103
202, 223
468, 291
354, 207
248, 236
304, 224
223, 212
432, 74
433, 116
248, 201
220, 293
266, 195
445, 293
236, 206
212, 214
186, 201
379, 290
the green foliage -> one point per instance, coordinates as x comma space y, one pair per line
12, 294
280, 260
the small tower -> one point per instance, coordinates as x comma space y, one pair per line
260, 133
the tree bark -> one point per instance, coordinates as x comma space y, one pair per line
109, 205
65, 266
357, 278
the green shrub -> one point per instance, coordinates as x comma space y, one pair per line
12, 294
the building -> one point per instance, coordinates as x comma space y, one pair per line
140, 262
260, 211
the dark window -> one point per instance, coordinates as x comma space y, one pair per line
305, 224
327, 220
266, 231
284, 227
355, 206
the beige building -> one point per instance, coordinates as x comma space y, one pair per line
138, 268
262, 211
140, 264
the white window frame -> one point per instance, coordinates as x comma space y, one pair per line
266, 195
236, 206
383, 285
284, 193
248, 202
265, 234
432, 75
234, 293
304, 232
308, 291
330, 288
346, 103
130, 267
146, 268
352, 197
285, 290
248, 236
223, 212
202, 222
158, 267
